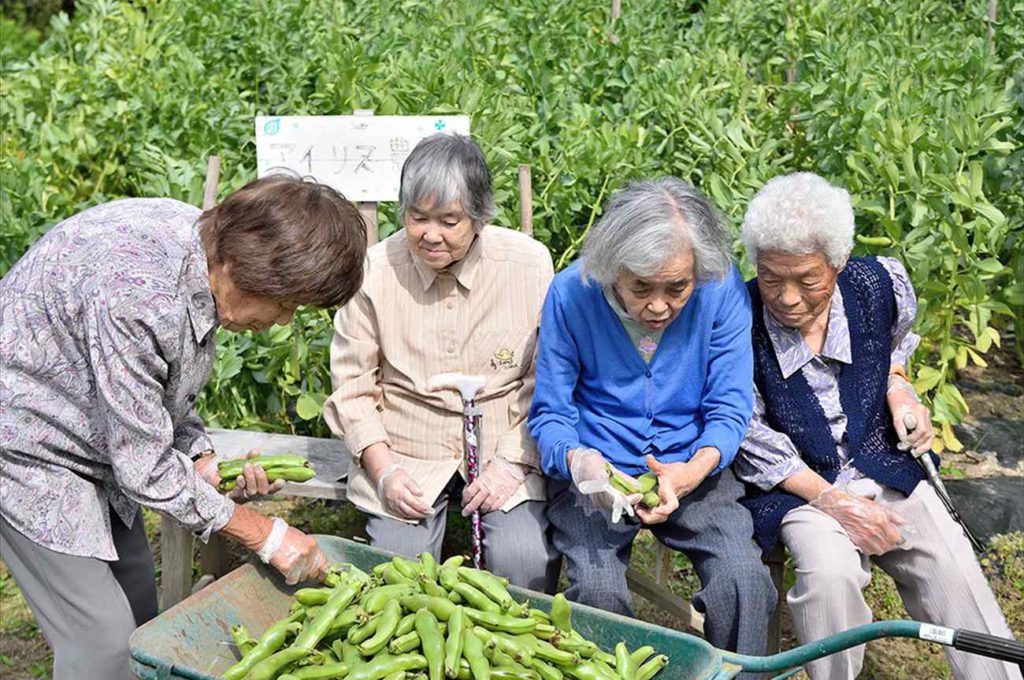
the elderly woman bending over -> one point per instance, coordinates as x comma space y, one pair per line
644, 363
107, 334
446, 294
828, 453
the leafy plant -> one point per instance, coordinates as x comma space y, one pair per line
902, 102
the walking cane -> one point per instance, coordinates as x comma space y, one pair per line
467, 386
926, 463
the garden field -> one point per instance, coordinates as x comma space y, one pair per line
916, 106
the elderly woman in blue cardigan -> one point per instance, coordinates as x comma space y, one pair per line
828, 453
644, 363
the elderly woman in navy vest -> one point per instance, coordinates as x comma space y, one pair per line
644, 363
827, 456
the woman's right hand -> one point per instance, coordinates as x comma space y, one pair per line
871, 526
397, 490
400, 494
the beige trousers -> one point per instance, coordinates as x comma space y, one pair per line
935, 571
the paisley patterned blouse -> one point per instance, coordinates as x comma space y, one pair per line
106, 337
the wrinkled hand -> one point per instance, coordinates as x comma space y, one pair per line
910, 417
253, 483
493, 487
590, 476
296, 556
870, 525
401, 495
672, 485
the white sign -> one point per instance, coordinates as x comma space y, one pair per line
360, 156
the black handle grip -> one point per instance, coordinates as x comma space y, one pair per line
989, 645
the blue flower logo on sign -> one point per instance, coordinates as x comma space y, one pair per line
440, 124
272, 126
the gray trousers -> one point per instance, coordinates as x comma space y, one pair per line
710, 527
516, 543
86, 607
935, 572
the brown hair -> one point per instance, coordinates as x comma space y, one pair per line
288, 238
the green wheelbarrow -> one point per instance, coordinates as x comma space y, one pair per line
192, 640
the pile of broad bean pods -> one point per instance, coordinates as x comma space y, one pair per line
420, 620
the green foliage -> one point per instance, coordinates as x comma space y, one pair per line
902, 102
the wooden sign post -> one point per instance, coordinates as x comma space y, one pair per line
368, 209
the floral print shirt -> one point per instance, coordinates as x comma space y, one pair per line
768, 457
106, 338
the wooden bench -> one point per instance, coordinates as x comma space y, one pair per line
330, 459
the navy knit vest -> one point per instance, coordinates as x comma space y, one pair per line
792, 409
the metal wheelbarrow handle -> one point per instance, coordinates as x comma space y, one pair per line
964, 640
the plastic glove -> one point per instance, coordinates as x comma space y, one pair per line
910, 417
401, 495
590, 475
294, 554
493, 487
870, 525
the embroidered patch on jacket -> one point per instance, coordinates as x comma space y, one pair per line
504, 358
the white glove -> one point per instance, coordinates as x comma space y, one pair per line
294, 554
590, 475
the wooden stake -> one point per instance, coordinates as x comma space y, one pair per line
525, 200
212, 179
992, 25
616, 13
791, 69
175, 540
175, 562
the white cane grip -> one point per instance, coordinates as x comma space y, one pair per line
466, 385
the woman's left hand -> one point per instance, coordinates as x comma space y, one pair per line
911, 418
493, 487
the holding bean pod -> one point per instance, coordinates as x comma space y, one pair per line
646, 485
288, 467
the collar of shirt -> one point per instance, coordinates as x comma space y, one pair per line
464, 270
195, 287
791, 350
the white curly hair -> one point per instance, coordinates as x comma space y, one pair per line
800, 214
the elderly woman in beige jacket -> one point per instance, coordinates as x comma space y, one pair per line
448, 293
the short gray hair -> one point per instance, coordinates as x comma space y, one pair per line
444, 168
647, 223
800, 214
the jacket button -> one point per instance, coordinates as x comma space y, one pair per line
648, 373
649, 415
